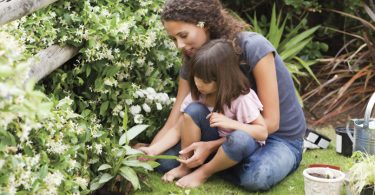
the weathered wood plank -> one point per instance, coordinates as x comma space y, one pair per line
50, 59
14, 9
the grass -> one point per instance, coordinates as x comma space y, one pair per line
293, 184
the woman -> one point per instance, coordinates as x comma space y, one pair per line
190, 24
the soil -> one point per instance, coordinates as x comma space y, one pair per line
324, 176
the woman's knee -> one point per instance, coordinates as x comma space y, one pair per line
258, 180
239, 145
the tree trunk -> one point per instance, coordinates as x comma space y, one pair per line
14, 9
50, 59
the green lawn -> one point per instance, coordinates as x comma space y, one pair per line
293, 184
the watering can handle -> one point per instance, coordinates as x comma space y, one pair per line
370, 106
348, 132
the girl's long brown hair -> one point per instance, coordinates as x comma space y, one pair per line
217, 61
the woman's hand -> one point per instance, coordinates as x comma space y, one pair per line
221, 121
201, 152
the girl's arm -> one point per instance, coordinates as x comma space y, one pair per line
175, 114
265, 76
256, 129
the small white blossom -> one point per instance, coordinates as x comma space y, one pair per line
98, 148
139, 94
122, 114
159, 106
129, 101
56, 146
146, 108
81, 181
135, 109
54, 179
138, 119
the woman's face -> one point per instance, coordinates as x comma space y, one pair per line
204, 87
187, 37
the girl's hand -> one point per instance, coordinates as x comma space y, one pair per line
219, 120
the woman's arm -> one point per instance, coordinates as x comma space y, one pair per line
265, 77
183, 90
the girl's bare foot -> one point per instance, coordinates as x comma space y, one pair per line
176, 173
148, 151
139, 145
194, 179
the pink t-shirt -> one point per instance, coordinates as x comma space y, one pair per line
245, 109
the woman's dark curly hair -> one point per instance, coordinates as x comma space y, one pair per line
217, 20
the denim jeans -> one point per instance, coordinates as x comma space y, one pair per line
259, 167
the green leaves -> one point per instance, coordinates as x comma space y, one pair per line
104, 167
130, 175
289, 44
132, 133
105, 178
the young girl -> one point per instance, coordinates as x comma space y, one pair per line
221, 92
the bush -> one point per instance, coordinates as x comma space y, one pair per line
123, 49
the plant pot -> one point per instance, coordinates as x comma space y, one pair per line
315, 183
344, 145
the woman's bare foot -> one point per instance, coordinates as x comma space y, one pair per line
194, 179
176, 173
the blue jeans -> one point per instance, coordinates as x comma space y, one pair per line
259, 167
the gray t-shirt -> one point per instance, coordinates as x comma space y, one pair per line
255, 47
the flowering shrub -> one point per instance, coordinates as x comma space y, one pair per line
47, 148
123, 49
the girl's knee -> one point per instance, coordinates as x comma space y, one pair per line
196, 109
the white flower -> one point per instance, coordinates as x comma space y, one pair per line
139, 93
138, 118
56, 147
150, 90
98, 148
146, 108
159, 106
129, 101
54, 179
135, 109
65, 101
81, 181
162, 98
122, 114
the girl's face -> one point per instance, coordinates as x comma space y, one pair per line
204, 87
187, 37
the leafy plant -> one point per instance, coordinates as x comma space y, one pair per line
362, 173
348, 78
289, 44
122, 49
